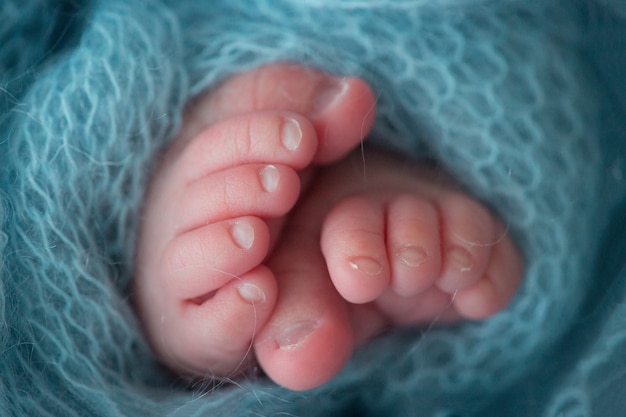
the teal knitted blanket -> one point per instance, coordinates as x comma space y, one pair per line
523, 101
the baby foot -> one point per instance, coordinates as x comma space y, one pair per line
410, 241
402, 247
216, 204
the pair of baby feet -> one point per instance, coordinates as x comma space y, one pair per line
262, 238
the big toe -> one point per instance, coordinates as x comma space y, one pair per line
309, 337
342, 109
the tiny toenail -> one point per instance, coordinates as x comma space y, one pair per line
327, 97
295, 334
269, 178
291, 134
461, 258
250, 293
366, 265
242, 234
412, 256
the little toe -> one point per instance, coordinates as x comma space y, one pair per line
468, 235
497, 286
413, 244
354, 246
215, 337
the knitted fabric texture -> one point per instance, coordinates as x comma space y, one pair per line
522, 101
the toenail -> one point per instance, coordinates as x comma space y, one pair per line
291, 134
461, 258
250, 293
242, 234
295, 334
269, 178
412, 256
327, 97
366, 265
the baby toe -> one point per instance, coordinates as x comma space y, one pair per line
413, 244
342, 109
353, 244
206, 297
262, 137
199, 262
260, 190
468, 236
215, 337
309, 338
497, 286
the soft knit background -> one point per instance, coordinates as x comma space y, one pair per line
524, 101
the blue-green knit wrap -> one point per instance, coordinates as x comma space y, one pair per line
523, 101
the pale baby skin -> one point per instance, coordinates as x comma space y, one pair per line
272, 235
